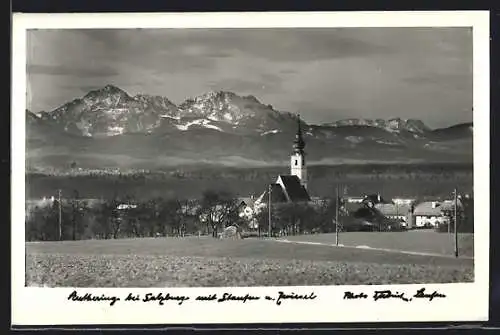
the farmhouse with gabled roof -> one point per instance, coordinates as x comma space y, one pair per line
433, 213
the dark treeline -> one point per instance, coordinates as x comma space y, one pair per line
465, 218
252, 173
127, 217
122, 217
390, 180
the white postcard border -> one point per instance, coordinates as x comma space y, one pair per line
49, 306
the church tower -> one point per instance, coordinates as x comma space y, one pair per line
298, 160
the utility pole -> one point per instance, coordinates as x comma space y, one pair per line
337, 218
269, 210
60, 213
455, 221
449, 228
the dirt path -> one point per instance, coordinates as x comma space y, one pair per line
377, 249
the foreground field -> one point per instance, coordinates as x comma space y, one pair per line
208, 262
413, 241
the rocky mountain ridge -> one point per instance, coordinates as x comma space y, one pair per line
110, 111
109, 127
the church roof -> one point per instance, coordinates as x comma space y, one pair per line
277, 195
294, 189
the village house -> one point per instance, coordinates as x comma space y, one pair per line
352, 208
126, 206
428, 214
433, 213
403, 201
247, 211
370, 199
359, 206
359, 216
319, 202
395, 211
373, 199
373, 211
354, 199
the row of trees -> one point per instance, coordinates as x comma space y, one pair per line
465, 218
295, 219
76, 219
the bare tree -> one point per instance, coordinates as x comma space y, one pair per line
108, 221
218, 210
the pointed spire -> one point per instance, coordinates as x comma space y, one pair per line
299, 130
299, 144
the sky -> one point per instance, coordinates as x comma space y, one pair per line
325, 74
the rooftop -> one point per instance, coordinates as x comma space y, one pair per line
393, 209
277, 195
426, 208
293, 188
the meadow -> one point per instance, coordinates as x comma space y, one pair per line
204, 261
418, 241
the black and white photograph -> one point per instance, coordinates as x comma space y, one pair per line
251, 157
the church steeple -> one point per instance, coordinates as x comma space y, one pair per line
298, 161
298, 143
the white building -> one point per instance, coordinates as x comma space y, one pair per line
403, 201
248, 211
433, 213
355, 200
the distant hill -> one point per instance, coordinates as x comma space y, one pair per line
459, 131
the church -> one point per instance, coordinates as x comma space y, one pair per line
289, 188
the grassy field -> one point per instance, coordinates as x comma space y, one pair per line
209, 262
413, 241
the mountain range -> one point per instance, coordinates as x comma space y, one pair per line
108, 128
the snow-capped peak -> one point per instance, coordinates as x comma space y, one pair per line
205, 123
274, 131
391, 125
